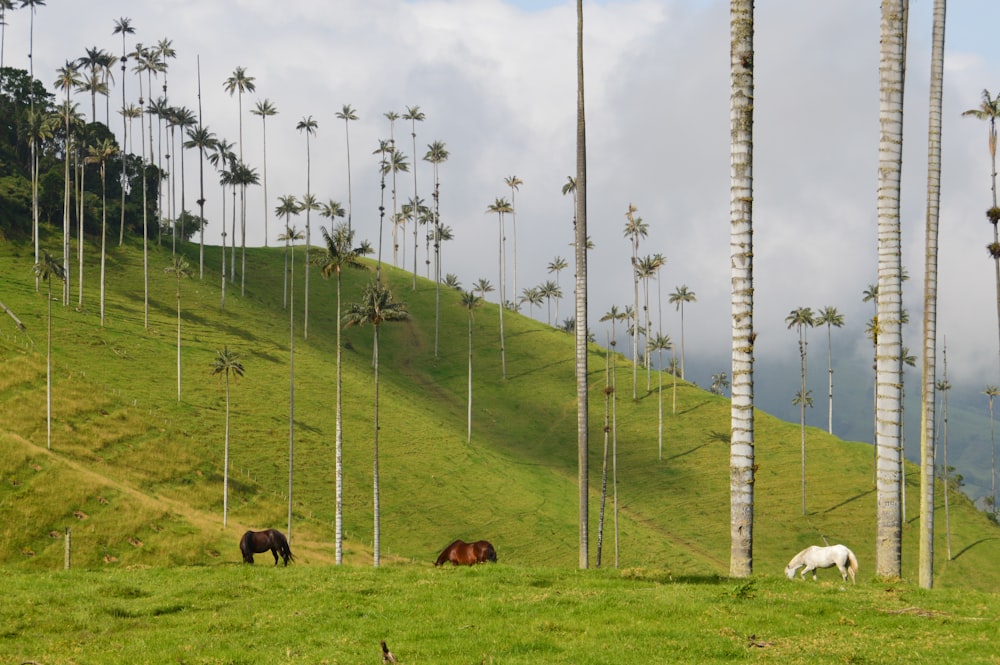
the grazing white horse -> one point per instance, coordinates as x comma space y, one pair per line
823, 557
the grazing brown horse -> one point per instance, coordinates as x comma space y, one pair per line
461, 553
261, 541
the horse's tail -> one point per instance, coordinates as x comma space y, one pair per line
853, 561
446, 553
245, 548
286, 551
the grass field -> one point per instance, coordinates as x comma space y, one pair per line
137, 473
239, 614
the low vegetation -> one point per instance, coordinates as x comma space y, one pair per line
500, 613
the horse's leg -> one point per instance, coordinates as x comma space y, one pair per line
274, 552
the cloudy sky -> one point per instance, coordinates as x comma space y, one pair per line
496, 81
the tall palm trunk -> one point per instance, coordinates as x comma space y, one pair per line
66, 207
291, 387
339, 444
225, 464
121, 226
503, 261
582, 412
104, 235
145, 216
377, 534
888, 546
741, 456
929, 379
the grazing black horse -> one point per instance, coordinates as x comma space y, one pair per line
261, 541
461, 553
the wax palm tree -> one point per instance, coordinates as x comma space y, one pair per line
45, 270
549, 290
347, 114
396, 163
340, 253
582, 337
287, 206
741, 452
184, 119
227, 363
483, 286
223, 159
239, 83
635, 229
515, 184
383, 151
660, 343
437, 154
205, 140
179, 268
243, 176
888, 553
140, 67
388, 165
831, 318
68, 78
265, 109
376, 307
501, 206
928, 367
100, 154
93, 61
557, 265
331, 210
414, 115
290, 236
129, 114
648, 268
307, 126
470, 301
681, 295
123, 26
802, 319
158, 107
533, 297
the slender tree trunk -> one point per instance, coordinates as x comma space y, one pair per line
469, 415
225, 463
829, 374
802, 410
375, 484
66, 211
604, 458
741, 460
291, 390
503, 351
944, 446
888, 547
104, 235
929, 378
582, 419
123, 178
48, 372
339, 442
178, 333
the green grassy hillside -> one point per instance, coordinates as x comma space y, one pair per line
137, 474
